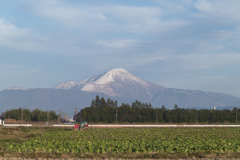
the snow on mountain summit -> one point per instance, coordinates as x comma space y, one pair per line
68, 84
115, 82
118, 82
117, 74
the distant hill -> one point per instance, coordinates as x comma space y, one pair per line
228, 107
117, 84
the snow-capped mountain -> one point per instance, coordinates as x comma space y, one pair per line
120, 83
116, 82
17, 88
68, 84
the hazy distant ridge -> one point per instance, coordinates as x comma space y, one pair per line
118, 84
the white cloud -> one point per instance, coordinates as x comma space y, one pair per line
13, 38
125, 43
204, 5
153, 59
17, 38
226, 10
208, 61
175, 6
73, 16
108, 18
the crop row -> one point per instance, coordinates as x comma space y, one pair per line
133, 141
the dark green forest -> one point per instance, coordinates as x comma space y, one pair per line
138, 112
104, 111
28, 115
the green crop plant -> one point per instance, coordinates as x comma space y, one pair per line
103, 141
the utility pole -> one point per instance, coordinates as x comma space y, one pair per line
116, 115
236, 115
75, 114
58, 116
197, 116
47, 116
22, 116
156, 115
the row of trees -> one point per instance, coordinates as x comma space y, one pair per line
28, 115
137, 112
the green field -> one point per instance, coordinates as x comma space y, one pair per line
134, 143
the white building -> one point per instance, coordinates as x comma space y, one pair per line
0, 122
71, 120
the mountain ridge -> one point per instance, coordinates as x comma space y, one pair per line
117, 84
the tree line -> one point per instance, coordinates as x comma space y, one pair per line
108, 111
28, 115
138, 112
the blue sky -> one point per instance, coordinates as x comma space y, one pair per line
187, 44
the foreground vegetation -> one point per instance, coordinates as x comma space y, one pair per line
124, 143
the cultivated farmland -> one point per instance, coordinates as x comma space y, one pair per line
130, 143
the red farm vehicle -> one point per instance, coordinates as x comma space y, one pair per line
81, 126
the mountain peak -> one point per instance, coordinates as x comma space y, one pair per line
113, 74
114, 82
118, 70
118, 74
